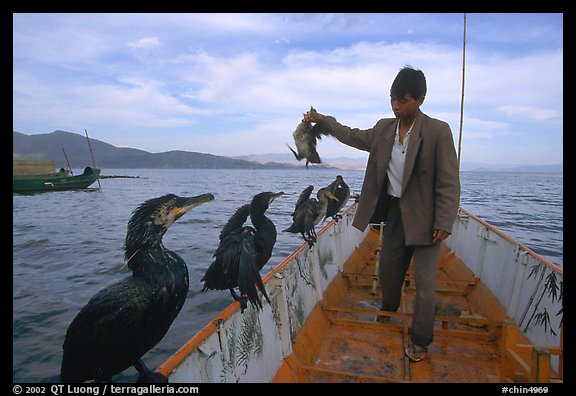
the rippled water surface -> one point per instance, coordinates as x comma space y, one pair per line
67, 245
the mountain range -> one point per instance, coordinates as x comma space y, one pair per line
61, 147
55, 144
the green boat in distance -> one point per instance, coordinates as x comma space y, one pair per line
55, 181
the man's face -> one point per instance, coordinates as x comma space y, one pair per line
405, 107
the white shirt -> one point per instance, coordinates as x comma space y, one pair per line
396, 165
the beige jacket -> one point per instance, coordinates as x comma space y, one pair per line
430, 185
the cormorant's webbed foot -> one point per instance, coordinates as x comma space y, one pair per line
243, 304
311, 241
148, 376
242, 300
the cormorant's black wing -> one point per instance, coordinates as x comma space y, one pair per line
334, 185
343, 195
311, 212
332, 208
223, 272
116, 328
249, 274
311, 142
236, 221
304, 196
340, 190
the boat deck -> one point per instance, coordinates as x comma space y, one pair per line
342, 341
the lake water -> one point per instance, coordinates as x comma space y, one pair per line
68, 245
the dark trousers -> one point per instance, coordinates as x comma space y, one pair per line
394, 262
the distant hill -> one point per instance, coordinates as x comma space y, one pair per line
358, 163
49, 146
478, 167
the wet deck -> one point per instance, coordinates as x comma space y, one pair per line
341, 340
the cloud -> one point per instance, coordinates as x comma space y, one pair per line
523, 79
221, 80
135, 103
528, 112
245, 79
144, 43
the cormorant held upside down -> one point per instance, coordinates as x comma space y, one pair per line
309, 212
125, 320
243, 251
305, 138
342, 192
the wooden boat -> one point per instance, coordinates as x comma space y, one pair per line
51, 181
498, 319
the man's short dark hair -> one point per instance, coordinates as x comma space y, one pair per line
409, 81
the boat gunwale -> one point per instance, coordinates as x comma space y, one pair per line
532, 253
196, 340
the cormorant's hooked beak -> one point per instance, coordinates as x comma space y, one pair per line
183, 205
331, 196
274, 196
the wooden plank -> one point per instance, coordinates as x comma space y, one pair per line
366, 311
528, 348
465, 282
518, 362
540, 365
310, 370
363, 324
443, 292
509, 336
445, 332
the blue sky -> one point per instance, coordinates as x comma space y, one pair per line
237, 84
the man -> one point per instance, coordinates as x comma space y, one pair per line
412, 183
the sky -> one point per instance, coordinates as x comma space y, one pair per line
238, 84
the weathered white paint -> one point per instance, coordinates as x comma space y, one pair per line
294, 289
504, 266
297, 285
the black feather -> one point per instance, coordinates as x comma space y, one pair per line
243, 251
341, 191
125, 320
308, 213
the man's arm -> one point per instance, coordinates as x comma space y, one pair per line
354, 137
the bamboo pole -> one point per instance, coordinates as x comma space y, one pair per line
462, 98
68, 162
92, 155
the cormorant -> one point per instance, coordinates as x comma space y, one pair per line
305, 140
243, 251
342, 192
125, 320
309, 212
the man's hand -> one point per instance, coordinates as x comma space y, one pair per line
312, 116
439, 235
